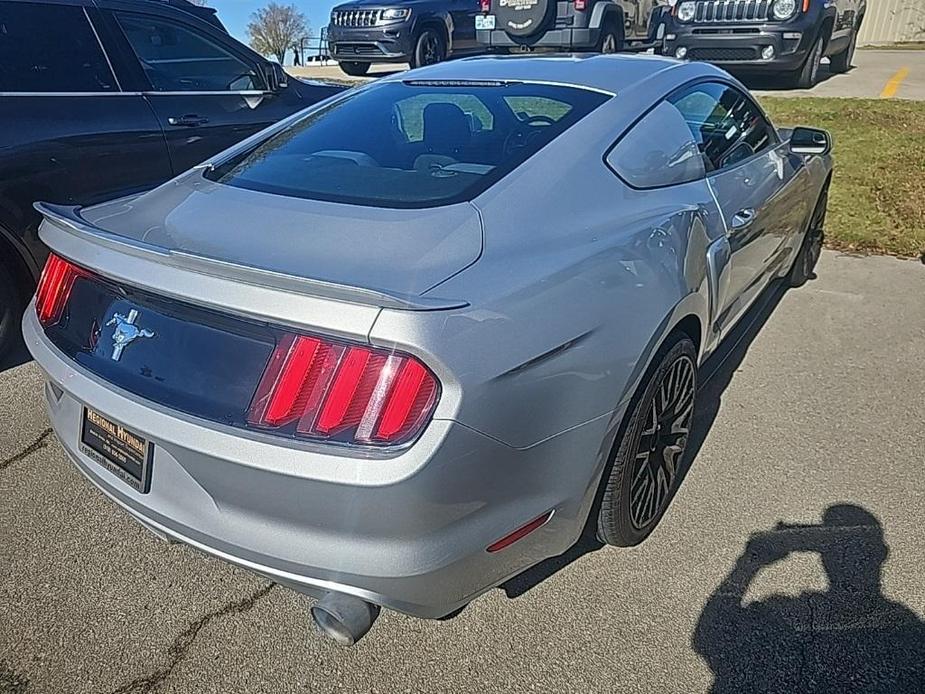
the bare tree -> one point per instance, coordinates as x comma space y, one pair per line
275, 28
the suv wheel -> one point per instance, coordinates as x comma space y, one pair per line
807, 76
611, 40
842, 62
354, 68
430, 48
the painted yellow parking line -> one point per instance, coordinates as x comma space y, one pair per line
889, 89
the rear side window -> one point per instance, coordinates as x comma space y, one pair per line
658, 151
727, 126
176, 59
50, 48
411, 144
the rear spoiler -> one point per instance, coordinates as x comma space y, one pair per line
67, 218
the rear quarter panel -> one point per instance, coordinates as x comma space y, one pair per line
580, 280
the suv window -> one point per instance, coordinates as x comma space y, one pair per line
50, 48
176, 59
406, 144
727, 126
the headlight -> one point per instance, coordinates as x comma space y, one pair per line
396, 14
687, 9
784, 9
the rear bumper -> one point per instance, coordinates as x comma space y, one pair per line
725, 46
566, 38
407, 532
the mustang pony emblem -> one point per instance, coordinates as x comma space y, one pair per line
125, 333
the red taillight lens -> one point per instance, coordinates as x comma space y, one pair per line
346, 393
485, 6
581, 5
55, 288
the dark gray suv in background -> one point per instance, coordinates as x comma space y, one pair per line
605, 26
418, 32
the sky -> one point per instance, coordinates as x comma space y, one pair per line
235, 14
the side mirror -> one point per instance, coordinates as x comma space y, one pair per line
810, 141
275, 76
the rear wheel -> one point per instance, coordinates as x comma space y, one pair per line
644, 472
842, 62
352, 67
611, 39
804, 264
430, 48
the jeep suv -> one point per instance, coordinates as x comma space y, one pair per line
418, 32
777, 37
605, 26
106, 98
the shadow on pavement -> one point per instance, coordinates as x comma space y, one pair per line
777, 83
715, 376
850, 638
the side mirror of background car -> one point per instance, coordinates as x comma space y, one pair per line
276, 76
810, 141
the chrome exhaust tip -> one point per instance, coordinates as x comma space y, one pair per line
344, 618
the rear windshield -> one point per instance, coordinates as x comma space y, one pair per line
410, 144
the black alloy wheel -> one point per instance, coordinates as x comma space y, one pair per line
429, 49
646, 467
804, 265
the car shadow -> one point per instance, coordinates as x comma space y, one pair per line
778, 83
716, 374
848, 638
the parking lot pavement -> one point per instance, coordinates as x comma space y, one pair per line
816, 415
888, 73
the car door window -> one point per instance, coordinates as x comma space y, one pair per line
177, 59
50, 48
726, 124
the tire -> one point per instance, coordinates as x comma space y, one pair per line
429, 48
807, 76
11, 307
804, 264
354, 68
841, 63
644, 473
526, 19
611, 38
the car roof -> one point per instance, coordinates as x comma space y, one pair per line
611, 73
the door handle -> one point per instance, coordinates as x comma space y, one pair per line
742, 219
190, 120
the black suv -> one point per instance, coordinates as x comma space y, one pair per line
419, 32
788, 38
605, 26
104, 98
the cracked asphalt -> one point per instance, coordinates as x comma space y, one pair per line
790, 560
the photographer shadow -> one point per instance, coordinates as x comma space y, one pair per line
849, 638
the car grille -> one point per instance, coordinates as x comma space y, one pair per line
355, 18
723, 55
357, 49
732, 11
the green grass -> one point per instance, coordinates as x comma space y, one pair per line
877, 198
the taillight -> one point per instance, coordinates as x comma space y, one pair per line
485, 6
323, 389
581, 5
54, 289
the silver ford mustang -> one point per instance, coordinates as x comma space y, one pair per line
413, 340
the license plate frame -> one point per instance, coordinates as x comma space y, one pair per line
118, 449
484, 22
